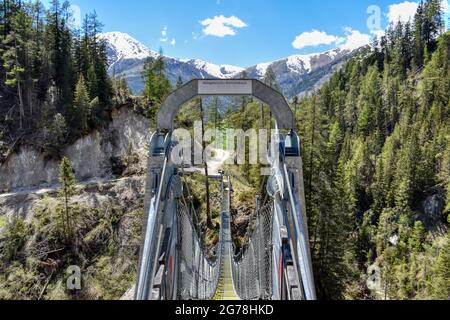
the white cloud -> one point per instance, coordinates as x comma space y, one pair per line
353, 39
403, 12
221, 26
313, 39
173, 42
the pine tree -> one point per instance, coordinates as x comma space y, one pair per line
417, 238
373, 150
81, 106
371, 116
42, 59
68, 182
56, 137
157, 86
179, 82
120, 88
149, 76
14, 71
271, 79
445, 174
38, 55
419, 45
92, 81
91, 62
16, 56
441, 273
101, 68
59, 41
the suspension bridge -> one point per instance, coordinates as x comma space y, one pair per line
275, 264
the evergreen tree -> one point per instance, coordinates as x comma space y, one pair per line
56, 136
271, 79
68, 182
179, 82
92, 81
59, 40
120, 88
42, 58
441, 273
81, 106
417, 238
373, 152
157, 86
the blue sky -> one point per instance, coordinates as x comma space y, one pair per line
246, 32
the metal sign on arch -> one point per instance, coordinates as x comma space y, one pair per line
218, 87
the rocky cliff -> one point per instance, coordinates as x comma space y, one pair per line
106, 212
93, 156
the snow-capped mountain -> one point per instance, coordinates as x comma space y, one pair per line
121, 46
297, 74
217, 71
300, 74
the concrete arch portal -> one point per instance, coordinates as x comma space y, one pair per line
217, 87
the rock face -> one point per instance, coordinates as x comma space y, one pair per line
125, 192
432, 208
27, 168
91, 155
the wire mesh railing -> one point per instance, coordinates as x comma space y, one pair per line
201, 275
252, 267
198, 274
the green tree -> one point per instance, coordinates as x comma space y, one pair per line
371, 116
81, 106
59, 42
179, 82
92, 81
270, 79
157, 86
441, 273
68, 183
417, 238
56, 136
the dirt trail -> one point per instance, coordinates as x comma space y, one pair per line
215, 164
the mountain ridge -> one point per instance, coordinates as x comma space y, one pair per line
296, 74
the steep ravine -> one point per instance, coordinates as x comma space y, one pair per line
108, 205
26, 178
